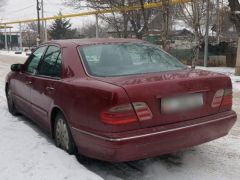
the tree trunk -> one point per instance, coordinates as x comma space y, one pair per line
235, 17
237, 69
125, 25
196, 33
165, 9
195, 49
145, 17
235, 13
136, 25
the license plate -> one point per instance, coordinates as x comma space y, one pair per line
181, 103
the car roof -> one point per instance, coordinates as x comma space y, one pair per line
78, 42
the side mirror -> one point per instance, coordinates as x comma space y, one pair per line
16, 67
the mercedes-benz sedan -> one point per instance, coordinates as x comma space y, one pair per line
119, 99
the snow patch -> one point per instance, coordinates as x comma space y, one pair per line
27, 153
227, 71
12, 53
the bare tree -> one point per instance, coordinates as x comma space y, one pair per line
235, 13
165, 14
121, 21
139, 19
29, 35
222, 23
116, 21
89, 31
193, 14
235, 17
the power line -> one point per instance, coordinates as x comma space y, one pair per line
101, 11
51, 3
22, 9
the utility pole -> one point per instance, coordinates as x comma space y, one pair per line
196, 35
218, 22
206, 35
42, 10
97, 27
5, 34
237, 68
39, 27
20, 37
45, 31
165, 9
44, 23
10, 31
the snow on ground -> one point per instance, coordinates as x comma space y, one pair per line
27, 153
12, 53
227, 71
235, 82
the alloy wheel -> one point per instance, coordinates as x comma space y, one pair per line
62, 136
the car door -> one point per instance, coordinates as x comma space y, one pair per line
23, 82
45, 84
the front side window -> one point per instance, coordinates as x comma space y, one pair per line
127, 58
34, 60
51, 62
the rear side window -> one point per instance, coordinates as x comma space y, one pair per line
34, 60
51, 62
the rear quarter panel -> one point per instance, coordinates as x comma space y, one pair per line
82, 101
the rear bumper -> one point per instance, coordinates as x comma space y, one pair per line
150, 142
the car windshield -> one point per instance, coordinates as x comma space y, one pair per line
127, 59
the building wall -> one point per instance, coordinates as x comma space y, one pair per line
14, 41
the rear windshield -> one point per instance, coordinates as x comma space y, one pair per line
127, 59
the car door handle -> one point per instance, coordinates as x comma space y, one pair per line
48, 88
28, 83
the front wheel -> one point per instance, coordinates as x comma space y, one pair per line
11, 107
62, 134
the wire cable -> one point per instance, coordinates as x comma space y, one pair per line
22, 9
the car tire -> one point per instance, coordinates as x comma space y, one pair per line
62, 135
11, 107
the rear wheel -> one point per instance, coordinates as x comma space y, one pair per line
11, 107
62, 134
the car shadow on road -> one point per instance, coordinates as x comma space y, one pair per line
130, 170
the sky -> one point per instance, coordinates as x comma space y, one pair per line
26, 9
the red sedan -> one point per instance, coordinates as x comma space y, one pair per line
119, 99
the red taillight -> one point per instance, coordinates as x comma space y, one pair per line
128, 113
222, 97
217, 99
142, 110
122, 114
227, 98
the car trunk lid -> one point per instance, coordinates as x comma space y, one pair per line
153, 88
